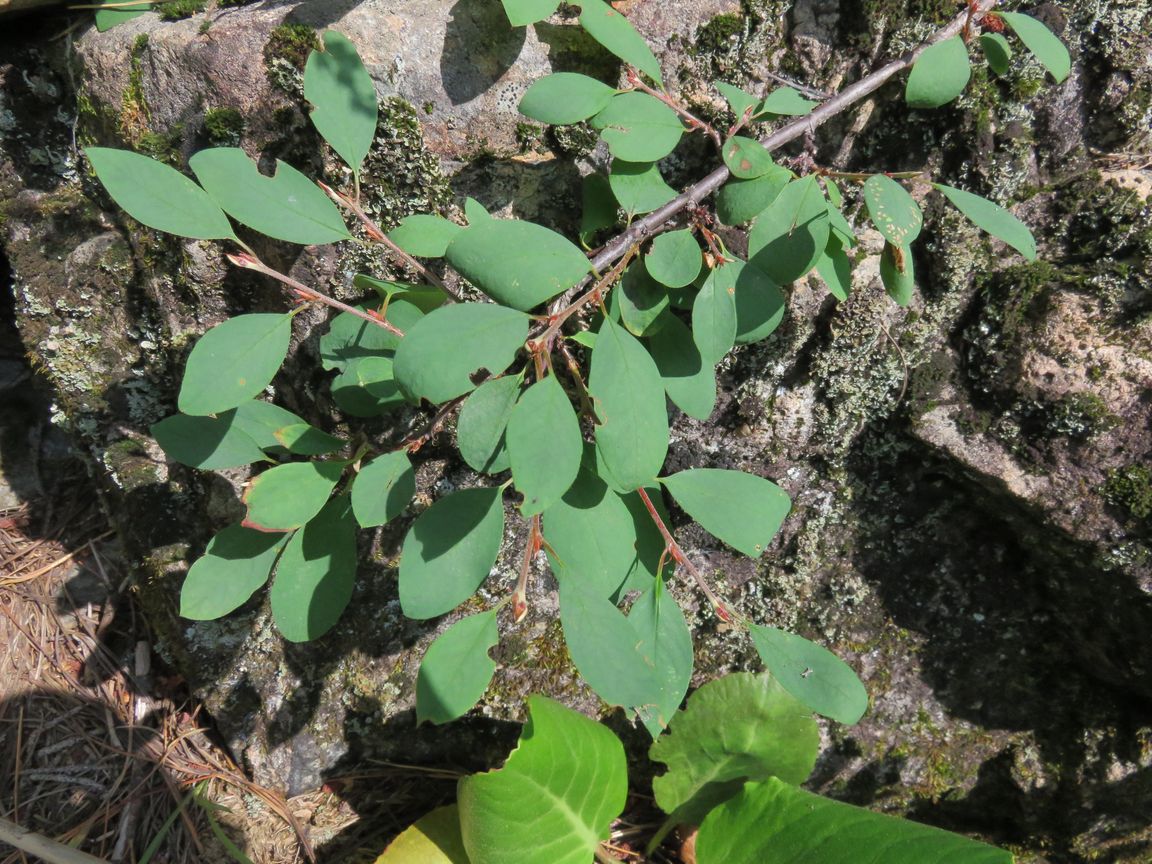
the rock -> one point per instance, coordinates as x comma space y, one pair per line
967, 528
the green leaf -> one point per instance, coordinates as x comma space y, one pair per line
737, 728
738, 100
786, 101
208, 443
449, 551
287, 496
997, 52
556, 796
714, 314
565, 97
316, 573
893, 211
440, 353
689, 380
424, 235
992, 218
835, 269
350, 337
367, 387
897, 273
638, 127
286, 206
740, 201
835, 199
233, 567
650, 547
789, 236
544, 445
674, 259
523, 12
743, 510
158, 196
775, 821
475, 212
614, 32
584, 337
597, 206
263, 422
604, 646
483, 419
534, 265
811, 673
629, 397
307, 440
1043, 44
638, 187
591, 532
840, 227
383, 488
642, 300
233, 362
343, 99
106, 19
760, 304
432, 839
665, 643
456, 669
939, 74
746, 158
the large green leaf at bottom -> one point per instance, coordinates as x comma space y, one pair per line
449, 550
432, 839
811, 673
632, 437
233, 362
737, 728
743, 510
316, 573
775, 821
235, 564
456, 669
555, 798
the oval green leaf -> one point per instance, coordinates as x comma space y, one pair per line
897, 273
674, 259
811, 673
523, 12
760, 304
286, 206
665, 644
746, 158
638, 187
993, 218
262, 421
616, 33
208, 443
343, 99
714, 314
233, 362
597, 206
790, 235
456, 669
740, 201
350, 337
565, 97
632, 437
997, 52
482, 423
316, 574
233, 567
786, 101
449, 551
441, 353
383, 488
544, 445
1042, 42
287, 496
835, 269
424, 234
534, 263
689, 380
776, 821
556, 796
307, 440
939, 74
367, 388
158, 196
642, 299
638, 127
742, 727
892, 210
743, 510
738, 100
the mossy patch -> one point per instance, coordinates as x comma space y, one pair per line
223, 126
1130, 490
285, 54
177, 10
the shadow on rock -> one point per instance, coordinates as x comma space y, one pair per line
479, 47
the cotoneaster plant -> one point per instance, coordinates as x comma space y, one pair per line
559, 364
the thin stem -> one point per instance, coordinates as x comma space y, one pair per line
804, 89
678, 555
587, 404
531, 549
690, 118
251, 262
415, 442
377, 236
864, 175
556, 321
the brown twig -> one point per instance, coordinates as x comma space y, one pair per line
531, 550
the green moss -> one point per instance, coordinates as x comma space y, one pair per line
575, 141
291, 43
529, 136
177, 10
223, 126
1079, 415
1130, 489
719, 34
